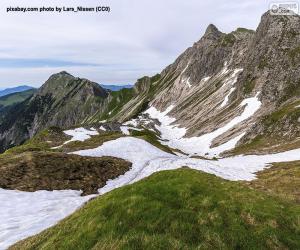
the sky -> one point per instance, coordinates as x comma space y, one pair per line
136, 38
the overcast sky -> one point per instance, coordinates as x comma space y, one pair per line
137, 38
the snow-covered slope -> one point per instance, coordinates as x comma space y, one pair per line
148, 159
173, 136
23, 214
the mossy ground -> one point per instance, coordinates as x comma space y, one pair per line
32, 171
179, 209
43, 141
152, 138
282, 180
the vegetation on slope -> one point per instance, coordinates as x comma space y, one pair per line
180, 209
36, 166
152, 138
282, 180
32, 171
14, 98
43, 141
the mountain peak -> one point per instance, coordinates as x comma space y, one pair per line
64, 73
212, 31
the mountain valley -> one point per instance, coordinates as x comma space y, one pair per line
203, 155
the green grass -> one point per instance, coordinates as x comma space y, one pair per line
180, 209
228, 40
43, 141
152, 138
282, 180
244, 30
93, 142
248, 85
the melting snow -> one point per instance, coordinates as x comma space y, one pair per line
224, 103
188, 82
80, 134
27, 213
230, 81
102, 128
24, 214
173, 135
125, 129
205, 79
148, 159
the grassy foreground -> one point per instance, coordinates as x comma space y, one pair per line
179, 209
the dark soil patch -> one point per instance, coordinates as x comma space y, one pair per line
32, 171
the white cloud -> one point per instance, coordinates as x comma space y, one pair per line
138, 37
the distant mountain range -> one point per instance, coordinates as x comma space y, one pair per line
14, 98
116, 87
14, 90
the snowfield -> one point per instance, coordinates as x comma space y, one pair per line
23, 214
147, 159
173, 136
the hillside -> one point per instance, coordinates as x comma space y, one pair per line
212, 81
62, 101
15, 98
182, 209
8, 91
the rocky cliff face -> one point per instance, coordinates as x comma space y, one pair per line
208, 82
62, 101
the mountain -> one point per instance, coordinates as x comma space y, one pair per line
211, 82
63, 100
15, 98
205, 88
227, 111
14, 90
116, 87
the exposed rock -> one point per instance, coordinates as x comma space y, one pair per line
197, 83
62, 101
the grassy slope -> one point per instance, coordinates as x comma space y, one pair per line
15, 97
180, 209
282, 180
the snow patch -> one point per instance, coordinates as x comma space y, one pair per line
102, 128
205, 79
188, 82
224, 103
80, 134
231, 80
172, 135
125, 129
24, 214
147, 159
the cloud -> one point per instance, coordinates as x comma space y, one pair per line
138, 37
